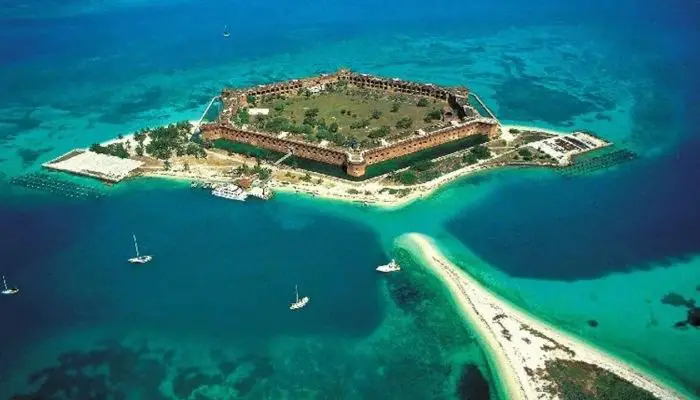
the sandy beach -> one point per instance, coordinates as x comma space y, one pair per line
287, 180
519, 343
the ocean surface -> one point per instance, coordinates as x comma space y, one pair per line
208, 318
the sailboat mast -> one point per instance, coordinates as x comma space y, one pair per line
296, 290
136, 246
3, 282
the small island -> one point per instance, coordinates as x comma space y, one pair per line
346, 135
535, 360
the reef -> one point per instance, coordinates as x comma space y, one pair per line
116, 371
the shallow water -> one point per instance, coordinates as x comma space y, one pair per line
211, 313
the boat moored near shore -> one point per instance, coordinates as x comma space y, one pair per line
231, 192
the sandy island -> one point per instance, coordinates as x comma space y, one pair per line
220, 166
520, 343
373, 191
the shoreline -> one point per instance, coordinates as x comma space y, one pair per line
339, 192
497, 321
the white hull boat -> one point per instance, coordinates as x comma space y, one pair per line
8, 290
300, 303
392, 266
139, 259
231, 192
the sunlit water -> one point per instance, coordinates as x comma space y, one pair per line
209, 315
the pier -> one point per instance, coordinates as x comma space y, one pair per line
50, 184
600, 162
101, 166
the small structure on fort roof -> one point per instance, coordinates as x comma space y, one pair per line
348, 119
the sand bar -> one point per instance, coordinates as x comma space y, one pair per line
516, 340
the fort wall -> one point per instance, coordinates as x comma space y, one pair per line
432, 139
267, 141
355, 164
394, 85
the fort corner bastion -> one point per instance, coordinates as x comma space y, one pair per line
468, 121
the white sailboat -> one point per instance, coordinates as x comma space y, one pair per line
7, 290
226, 32
139, 259
391, 267
300, 303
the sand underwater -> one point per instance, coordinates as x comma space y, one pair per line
209, 319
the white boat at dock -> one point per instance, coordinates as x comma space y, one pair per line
392, 266
8, 290
139, 259
231, 192
300, 303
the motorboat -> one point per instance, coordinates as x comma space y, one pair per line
392, 266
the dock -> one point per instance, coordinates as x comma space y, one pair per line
104, 167
564, 148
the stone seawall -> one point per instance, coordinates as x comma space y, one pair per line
266, 141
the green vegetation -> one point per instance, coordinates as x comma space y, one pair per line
423, 169
242, 116
262, 173
380, 132
114, 149
168, 139
360, 114
433, 115
404, 123
580, 380
407, 177
525, 154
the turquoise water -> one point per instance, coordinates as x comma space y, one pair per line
208, 317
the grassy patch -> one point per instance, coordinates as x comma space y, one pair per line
580, 380
356, 113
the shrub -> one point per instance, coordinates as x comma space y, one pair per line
423, 102
379, 132
404, 123
407, 177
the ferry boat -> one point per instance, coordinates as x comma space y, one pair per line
300, 303
392, 266
231, 192
139, 259
7, 290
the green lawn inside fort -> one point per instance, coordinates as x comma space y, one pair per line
345, 116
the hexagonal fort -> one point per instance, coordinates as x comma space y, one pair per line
348, 119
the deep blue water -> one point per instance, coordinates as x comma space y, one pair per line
643, 213
79, 72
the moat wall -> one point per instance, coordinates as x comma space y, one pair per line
300, 149
354, 164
